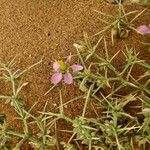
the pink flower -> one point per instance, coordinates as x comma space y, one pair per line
61, 70
143, 29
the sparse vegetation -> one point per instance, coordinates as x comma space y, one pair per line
113, 126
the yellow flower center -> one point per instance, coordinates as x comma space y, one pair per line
63, 66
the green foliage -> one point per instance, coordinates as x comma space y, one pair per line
119, 25
84, 132
43, 139
113, 128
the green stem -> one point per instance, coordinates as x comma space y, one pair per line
18, 146
21, 135
87, 100
17, 106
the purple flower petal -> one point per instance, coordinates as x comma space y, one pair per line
56, 66
143, 29
68, 78
76, 67
56, 78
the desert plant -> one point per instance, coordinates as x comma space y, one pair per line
43, 139
120, 25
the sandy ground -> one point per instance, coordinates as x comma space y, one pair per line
35, 29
